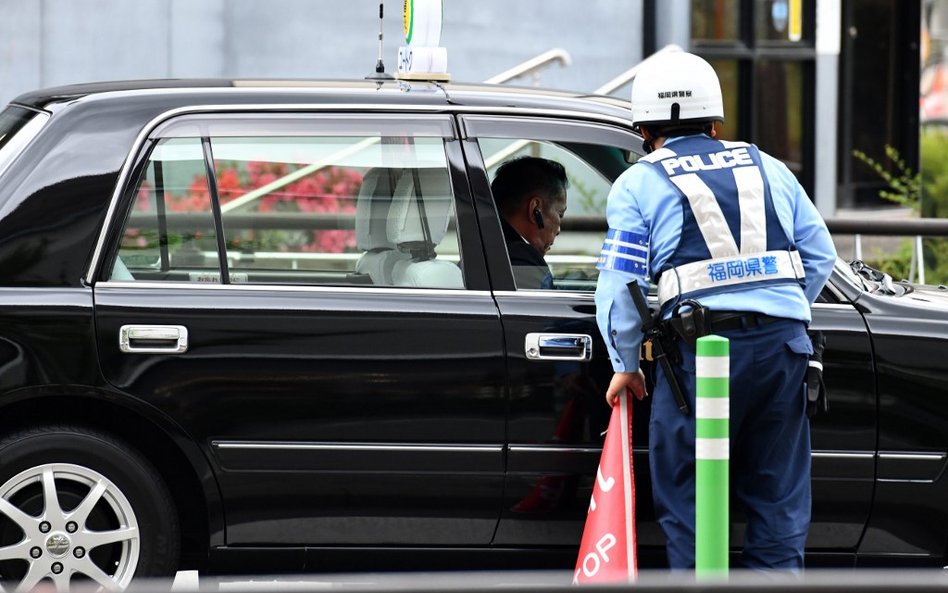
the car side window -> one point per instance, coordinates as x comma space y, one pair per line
297, 209
572, 258
170, 232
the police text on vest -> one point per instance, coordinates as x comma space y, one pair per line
726, 159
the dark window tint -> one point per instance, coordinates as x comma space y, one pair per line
17, 127
780, 125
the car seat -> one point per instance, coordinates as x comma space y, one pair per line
372, 209
418, 221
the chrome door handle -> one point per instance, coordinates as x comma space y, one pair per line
158, 339
544, 346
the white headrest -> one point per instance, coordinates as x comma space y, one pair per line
372, 208
405, 224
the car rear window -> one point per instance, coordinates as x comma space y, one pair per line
17, 127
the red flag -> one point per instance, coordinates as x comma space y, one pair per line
607, 551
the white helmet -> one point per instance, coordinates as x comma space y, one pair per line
676, 88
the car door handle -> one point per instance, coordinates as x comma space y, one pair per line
158, 339
544, 346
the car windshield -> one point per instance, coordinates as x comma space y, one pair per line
17, 127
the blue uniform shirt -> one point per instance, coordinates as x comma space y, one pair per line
645, 210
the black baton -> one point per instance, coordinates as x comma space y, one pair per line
652, 329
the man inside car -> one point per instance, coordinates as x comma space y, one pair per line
530, 193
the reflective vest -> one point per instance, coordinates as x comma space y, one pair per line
731, 238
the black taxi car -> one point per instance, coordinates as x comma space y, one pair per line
272, 326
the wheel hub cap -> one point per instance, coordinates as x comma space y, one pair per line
58, 545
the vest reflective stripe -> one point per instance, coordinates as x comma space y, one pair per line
711, 221
750, 191
657, 155
729, 271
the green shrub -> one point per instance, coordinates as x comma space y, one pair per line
904, 186
926, 193
934, 165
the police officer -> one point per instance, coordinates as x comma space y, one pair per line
727, 231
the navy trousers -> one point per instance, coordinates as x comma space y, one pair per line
770, 448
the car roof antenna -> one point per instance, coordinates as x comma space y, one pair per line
380, 73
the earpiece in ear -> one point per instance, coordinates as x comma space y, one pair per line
538, 217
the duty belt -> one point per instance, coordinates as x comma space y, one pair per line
699, 321
722, 321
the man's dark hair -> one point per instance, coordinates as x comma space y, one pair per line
518, 178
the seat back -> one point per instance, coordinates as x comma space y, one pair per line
372, 209
421, 211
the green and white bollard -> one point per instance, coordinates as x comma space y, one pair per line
712, 454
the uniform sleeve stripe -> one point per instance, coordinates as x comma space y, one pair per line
620, 247
624, 251
621, 265
627, 237
638, 258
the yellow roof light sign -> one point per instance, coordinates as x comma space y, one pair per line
421, 58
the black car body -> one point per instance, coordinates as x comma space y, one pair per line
208, 354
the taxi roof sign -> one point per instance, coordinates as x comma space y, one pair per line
422, 58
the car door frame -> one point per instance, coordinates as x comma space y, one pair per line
534, 465
251, 466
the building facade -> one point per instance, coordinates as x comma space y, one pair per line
807, 80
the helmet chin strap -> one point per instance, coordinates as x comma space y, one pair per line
647, 141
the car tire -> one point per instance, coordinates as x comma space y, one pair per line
80, 507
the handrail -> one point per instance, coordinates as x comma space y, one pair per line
528, 67
626, 77
926, 227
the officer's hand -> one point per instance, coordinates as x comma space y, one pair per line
623, 383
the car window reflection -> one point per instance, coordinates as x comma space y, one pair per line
326, 210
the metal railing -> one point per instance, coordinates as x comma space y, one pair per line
532, 66
626, 77
926, 227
